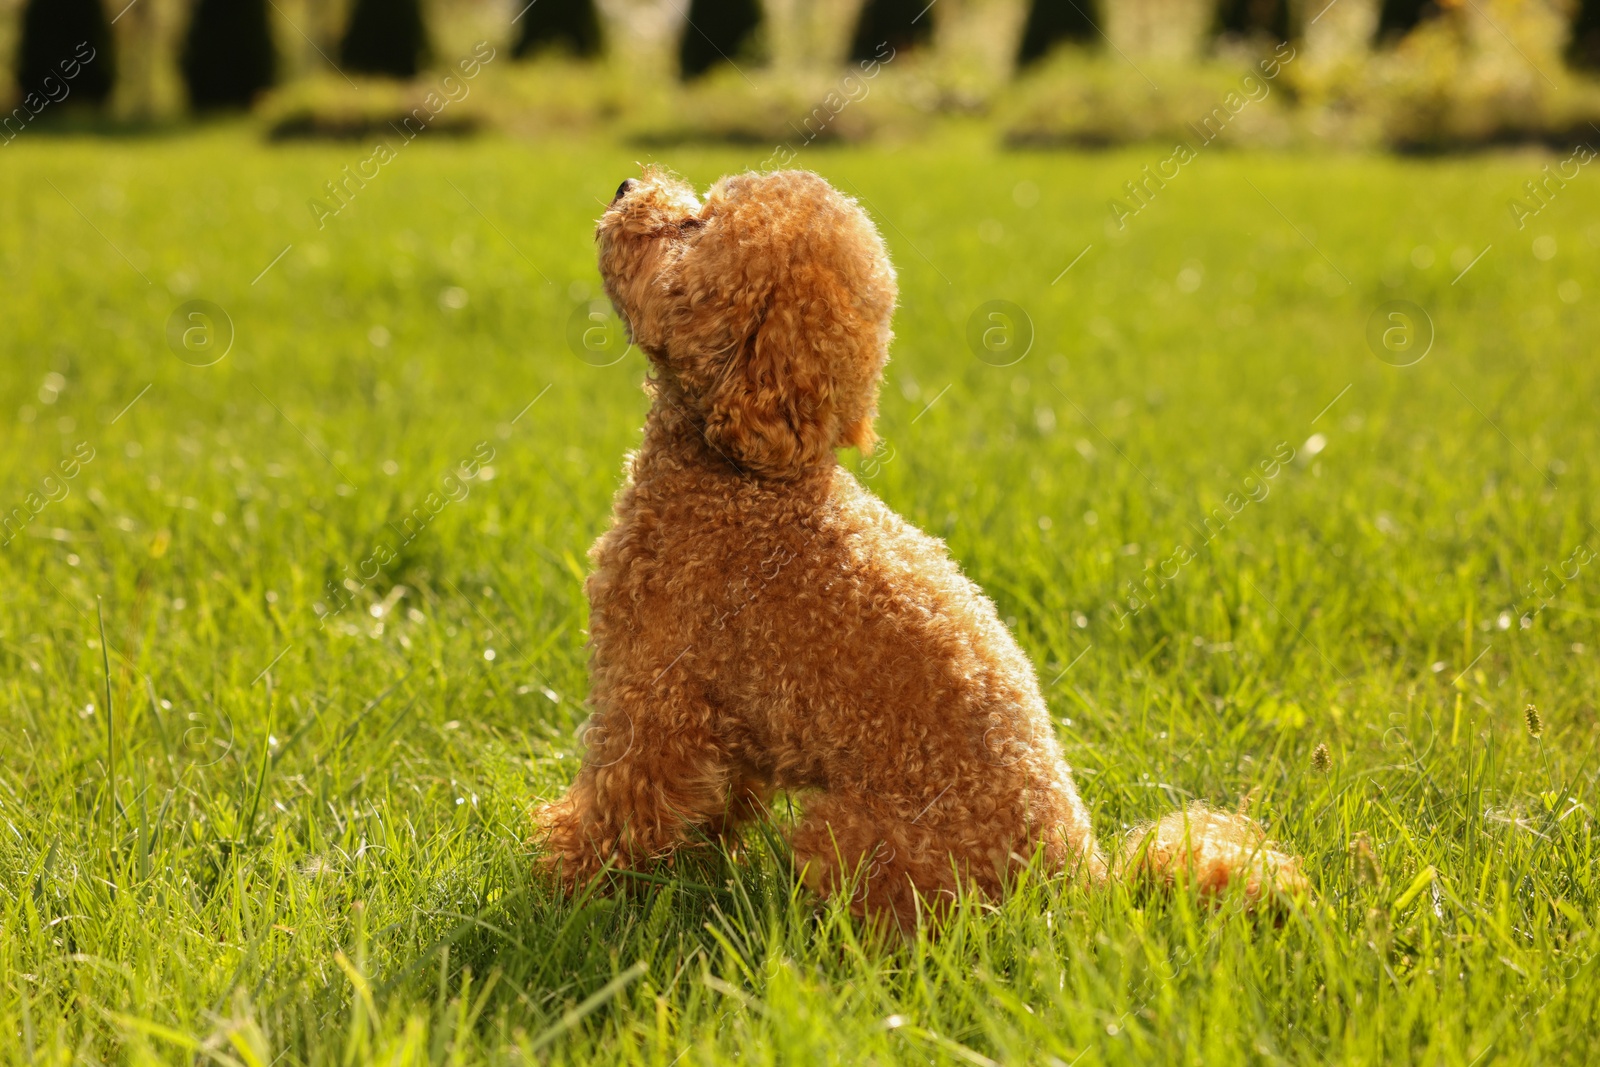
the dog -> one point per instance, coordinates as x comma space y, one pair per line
761, 622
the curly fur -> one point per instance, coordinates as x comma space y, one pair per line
759, 621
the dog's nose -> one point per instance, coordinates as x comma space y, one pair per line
624, 189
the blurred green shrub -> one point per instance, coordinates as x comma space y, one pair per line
553, 96
1478, 73
571, 27
560, 96
1365, 74
1085, 99
868, 101
328, 107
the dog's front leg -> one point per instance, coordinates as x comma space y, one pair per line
655, 776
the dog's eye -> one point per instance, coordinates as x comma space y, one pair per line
691, 223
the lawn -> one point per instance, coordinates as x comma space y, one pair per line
250, 815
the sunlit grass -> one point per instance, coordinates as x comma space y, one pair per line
284, 841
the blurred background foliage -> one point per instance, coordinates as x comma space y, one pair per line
1396, 74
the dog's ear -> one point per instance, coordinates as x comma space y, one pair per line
782, 322
771, 409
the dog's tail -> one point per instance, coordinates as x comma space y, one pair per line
1213, 852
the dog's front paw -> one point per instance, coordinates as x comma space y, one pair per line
569, 854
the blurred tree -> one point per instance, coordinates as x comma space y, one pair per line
385, 37
1585, 49
569, 25
1252, 18
227, 55
57, 31
1399, 17
718, 31
805, 35
1054, 22
898, 24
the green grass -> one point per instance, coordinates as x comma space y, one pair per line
204, 860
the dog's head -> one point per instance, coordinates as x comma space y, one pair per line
765, 309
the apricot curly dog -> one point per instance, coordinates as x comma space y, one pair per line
759, 621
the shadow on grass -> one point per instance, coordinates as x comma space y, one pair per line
550, 960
